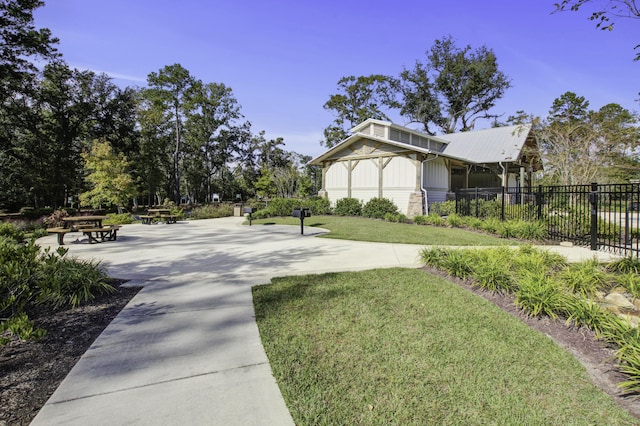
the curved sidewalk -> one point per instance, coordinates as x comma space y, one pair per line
186, 349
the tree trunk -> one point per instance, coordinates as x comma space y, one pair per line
176, 160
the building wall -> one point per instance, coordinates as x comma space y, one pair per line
435, 180
336, 179
364, 179
398, 180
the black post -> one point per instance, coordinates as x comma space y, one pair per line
502, 205
302, 224
593, 200
477, 204
539, 202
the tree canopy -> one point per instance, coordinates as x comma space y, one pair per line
453, 89
447, 93
580, 146
359, 98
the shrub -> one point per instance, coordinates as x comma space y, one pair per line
491, 225
508, 229
628, 264
631, 282
420, 220
119, 219
211, 211
29, 276
54, 220
435, 219
398, 218
317, 205
472, 222
458, 263
587, 313
285, 206
444, 208
529, 259
11, 232
454, 220
70, 282
540, 294
584, 278
535, 230
491, 271
434, 256
348, 207
376, 208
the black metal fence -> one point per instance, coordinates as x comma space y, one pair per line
602, 217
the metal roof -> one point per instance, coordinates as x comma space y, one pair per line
499, 144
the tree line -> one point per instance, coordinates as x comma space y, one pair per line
455, 87
68, 135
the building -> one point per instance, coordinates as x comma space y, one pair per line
413, 169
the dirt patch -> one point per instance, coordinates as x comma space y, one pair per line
31, 371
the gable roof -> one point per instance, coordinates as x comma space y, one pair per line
494, 145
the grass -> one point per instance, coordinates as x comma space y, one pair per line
400, 346
362, 229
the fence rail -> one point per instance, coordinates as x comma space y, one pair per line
600, 216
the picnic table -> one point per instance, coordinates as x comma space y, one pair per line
158, 214
91, 226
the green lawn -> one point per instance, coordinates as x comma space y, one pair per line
401, 346
362, 229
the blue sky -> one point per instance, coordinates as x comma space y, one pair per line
283, 58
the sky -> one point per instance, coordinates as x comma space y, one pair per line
283, 58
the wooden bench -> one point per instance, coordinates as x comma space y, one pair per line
146, 219
61, 233
99, 235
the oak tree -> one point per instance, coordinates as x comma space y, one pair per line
453, 88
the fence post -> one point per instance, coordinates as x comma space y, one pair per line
593, 200
502, 205
539, 202
477, 203
457, 197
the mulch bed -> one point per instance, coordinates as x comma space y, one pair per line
31, 371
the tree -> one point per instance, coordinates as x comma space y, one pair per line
619, 137
453, 89
21, 44
606, 10
169, 91
360, 98
580, 146
212, 136
108, 177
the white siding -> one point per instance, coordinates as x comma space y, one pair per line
436, 180
364, 180
336, 179
399, 179
379, 130
436, 175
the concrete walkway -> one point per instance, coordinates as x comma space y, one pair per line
186, 349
